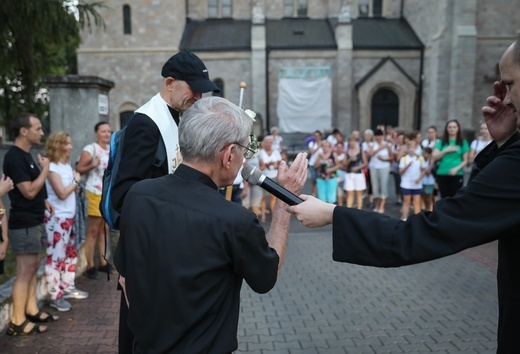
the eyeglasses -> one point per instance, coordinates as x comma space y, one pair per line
248, 152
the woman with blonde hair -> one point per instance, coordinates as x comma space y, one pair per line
61, 184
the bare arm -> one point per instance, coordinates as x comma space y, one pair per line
312, 212
5, 226
438, 154
61, 191
87, 163
6, 184
292, 179
30, 189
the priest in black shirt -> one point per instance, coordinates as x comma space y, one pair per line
487, 209
187, 250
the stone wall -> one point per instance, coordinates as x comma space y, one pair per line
463, 39
149, 30
137, 76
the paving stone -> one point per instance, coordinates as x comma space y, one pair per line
447, 306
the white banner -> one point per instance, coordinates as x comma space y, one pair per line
304, 105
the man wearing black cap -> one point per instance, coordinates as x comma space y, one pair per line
152, 127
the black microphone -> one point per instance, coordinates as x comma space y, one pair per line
254, 176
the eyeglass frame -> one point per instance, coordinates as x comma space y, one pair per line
248, 151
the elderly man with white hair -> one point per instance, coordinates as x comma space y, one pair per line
187, 249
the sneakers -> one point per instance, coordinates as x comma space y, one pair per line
75, 294
61, 304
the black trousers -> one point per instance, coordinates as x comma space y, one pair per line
449, 185
126, 338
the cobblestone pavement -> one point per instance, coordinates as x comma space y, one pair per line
320, 306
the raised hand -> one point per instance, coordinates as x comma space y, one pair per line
6, 184
500, 117
293, 179
43, 162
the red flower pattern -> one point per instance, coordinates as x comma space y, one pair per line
57, 237
71, 251
60, 262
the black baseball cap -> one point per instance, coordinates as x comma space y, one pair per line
188, 67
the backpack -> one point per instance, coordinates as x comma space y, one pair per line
109, 214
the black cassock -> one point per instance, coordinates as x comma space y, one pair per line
184, 251
487, 209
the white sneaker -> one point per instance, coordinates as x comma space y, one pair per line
60, 304
75, 293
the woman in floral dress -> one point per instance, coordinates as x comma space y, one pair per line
61, 185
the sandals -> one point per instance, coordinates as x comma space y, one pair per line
38, 317
15, 330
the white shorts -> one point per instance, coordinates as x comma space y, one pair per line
355, 182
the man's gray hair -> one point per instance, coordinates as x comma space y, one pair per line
209, 126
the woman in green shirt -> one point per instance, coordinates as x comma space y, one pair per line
451, 152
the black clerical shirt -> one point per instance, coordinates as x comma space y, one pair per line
186, 250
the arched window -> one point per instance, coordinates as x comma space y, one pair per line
220, 84
127, 19
385, 108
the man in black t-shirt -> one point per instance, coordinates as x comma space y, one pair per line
26, 222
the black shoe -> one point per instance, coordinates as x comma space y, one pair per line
92, 273
107, 268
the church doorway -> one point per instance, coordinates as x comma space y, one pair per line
385, 109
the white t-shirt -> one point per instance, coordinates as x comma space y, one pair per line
410, 176
428, 143
277, 141
275, 156
95, 177
65, 208
332, 140
375, 162
478, 145
428, 179
313, 145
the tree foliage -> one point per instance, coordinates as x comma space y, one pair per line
38, 38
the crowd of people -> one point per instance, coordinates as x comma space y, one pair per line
348, 171
485, 210
345, 171
196, 299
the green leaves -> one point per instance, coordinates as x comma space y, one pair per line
37, 39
